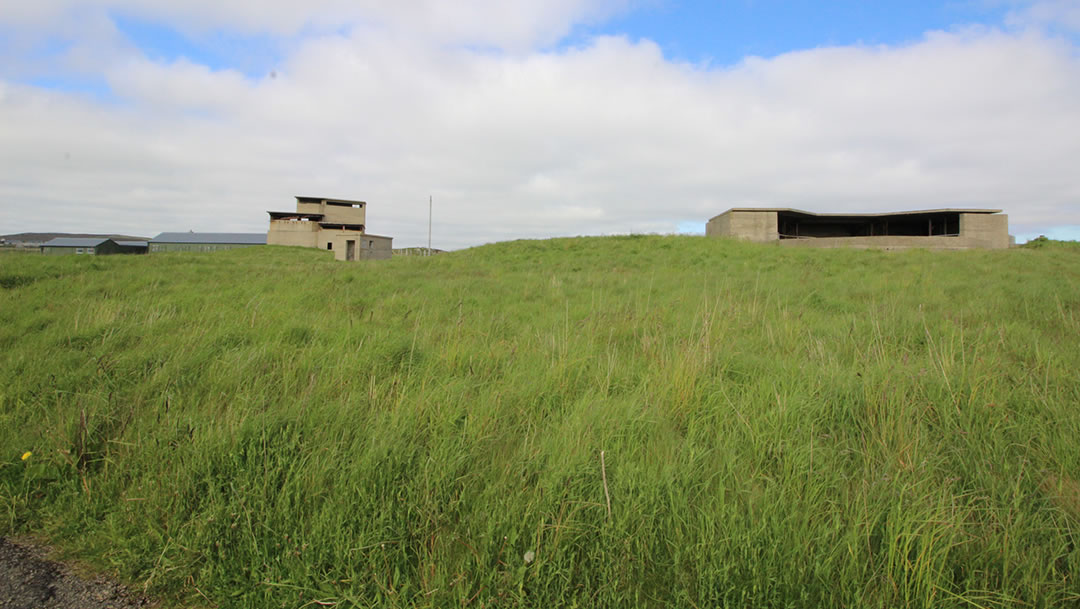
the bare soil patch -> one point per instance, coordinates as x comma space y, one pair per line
29, 580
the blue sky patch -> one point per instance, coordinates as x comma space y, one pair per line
253, 55
691, 227
723, 33
1061, 233
95, 87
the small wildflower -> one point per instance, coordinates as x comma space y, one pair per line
26, 455
529, 556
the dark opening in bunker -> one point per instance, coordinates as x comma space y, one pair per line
796, 225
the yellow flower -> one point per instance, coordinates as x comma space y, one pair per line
26, 455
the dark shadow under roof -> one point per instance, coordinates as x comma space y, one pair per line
282, 215
329, 200
339, 225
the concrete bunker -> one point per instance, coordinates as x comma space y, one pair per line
930, 229
336, 225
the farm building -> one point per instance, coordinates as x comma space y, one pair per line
337, 225
930, 229
93, 246
139, 246
204, 242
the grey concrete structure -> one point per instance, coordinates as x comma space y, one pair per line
204, 242
336, 225
929, 229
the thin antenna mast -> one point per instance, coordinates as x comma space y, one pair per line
429, 225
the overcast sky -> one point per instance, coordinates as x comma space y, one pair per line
531, 118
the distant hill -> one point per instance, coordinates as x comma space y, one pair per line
19, 238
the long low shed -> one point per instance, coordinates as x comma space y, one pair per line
204, 242
930, 229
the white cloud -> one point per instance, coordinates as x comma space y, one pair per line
511, 24
1064, 14
605, 138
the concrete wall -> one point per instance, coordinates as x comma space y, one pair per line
293, 232
378, 247
309, 208
336, 214
757, 226
719, 226
989, 231
310, 234
365, 247
344, 215
339, 240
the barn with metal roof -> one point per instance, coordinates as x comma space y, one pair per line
204, 242
92, 246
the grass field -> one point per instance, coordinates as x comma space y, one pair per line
779, 428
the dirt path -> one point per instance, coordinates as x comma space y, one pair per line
28, 580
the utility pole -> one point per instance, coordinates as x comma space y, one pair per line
429, 225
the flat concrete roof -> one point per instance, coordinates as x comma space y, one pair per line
303, 199
791, 210
277, 215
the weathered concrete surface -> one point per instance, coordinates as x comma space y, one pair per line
293, 232
365, 246
28, 580
337, 214
756, 226
989, 231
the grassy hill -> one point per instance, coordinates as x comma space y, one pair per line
598, 422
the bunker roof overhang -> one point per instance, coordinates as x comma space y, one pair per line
292, 215
340, 226
809, 214
329, 201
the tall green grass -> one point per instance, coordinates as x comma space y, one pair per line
780, 428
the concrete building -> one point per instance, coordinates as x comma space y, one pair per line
929, 229
204, 242
337, 225
91, 246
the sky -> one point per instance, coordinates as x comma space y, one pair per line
533, 119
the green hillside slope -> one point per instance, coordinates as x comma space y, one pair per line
779, 428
